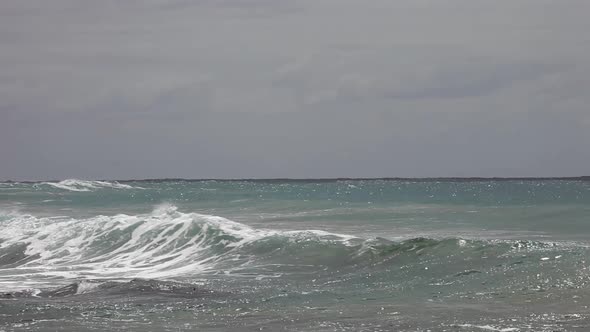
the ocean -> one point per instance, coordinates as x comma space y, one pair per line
295, 255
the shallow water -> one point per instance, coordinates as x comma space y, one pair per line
355, 255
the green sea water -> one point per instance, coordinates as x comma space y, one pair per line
281, 255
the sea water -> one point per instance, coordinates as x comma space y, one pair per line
286, 255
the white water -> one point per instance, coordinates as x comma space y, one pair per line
161, 245
86, 185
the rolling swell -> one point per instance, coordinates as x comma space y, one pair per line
170, 245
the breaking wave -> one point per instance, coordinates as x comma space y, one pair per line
87, 185
170, 245
162, 244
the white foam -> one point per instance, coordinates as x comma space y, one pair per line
86, 287
161, 245
87, 185
489, 328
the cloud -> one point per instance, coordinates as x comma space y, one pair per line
387, 75
293, 88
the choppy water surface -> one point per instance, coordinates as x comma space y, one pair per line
358, 255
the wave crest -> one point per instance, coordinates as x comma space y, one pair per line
87, 185
167, 244
163, 244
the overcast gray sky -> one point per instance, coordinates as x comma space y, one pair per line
290, 88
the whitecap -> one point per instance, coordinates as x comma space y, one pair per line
87, 185
163, 244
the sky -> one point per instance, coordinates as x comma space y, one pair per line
293, 88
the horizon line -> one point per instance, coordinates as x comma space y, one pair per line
322, 179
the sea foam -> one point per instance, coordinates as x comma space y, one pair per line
163, 244
87, 185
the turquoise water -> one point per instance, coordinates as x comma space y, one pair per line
349, 255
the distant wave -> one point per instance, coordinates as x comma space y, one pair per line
87, 185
